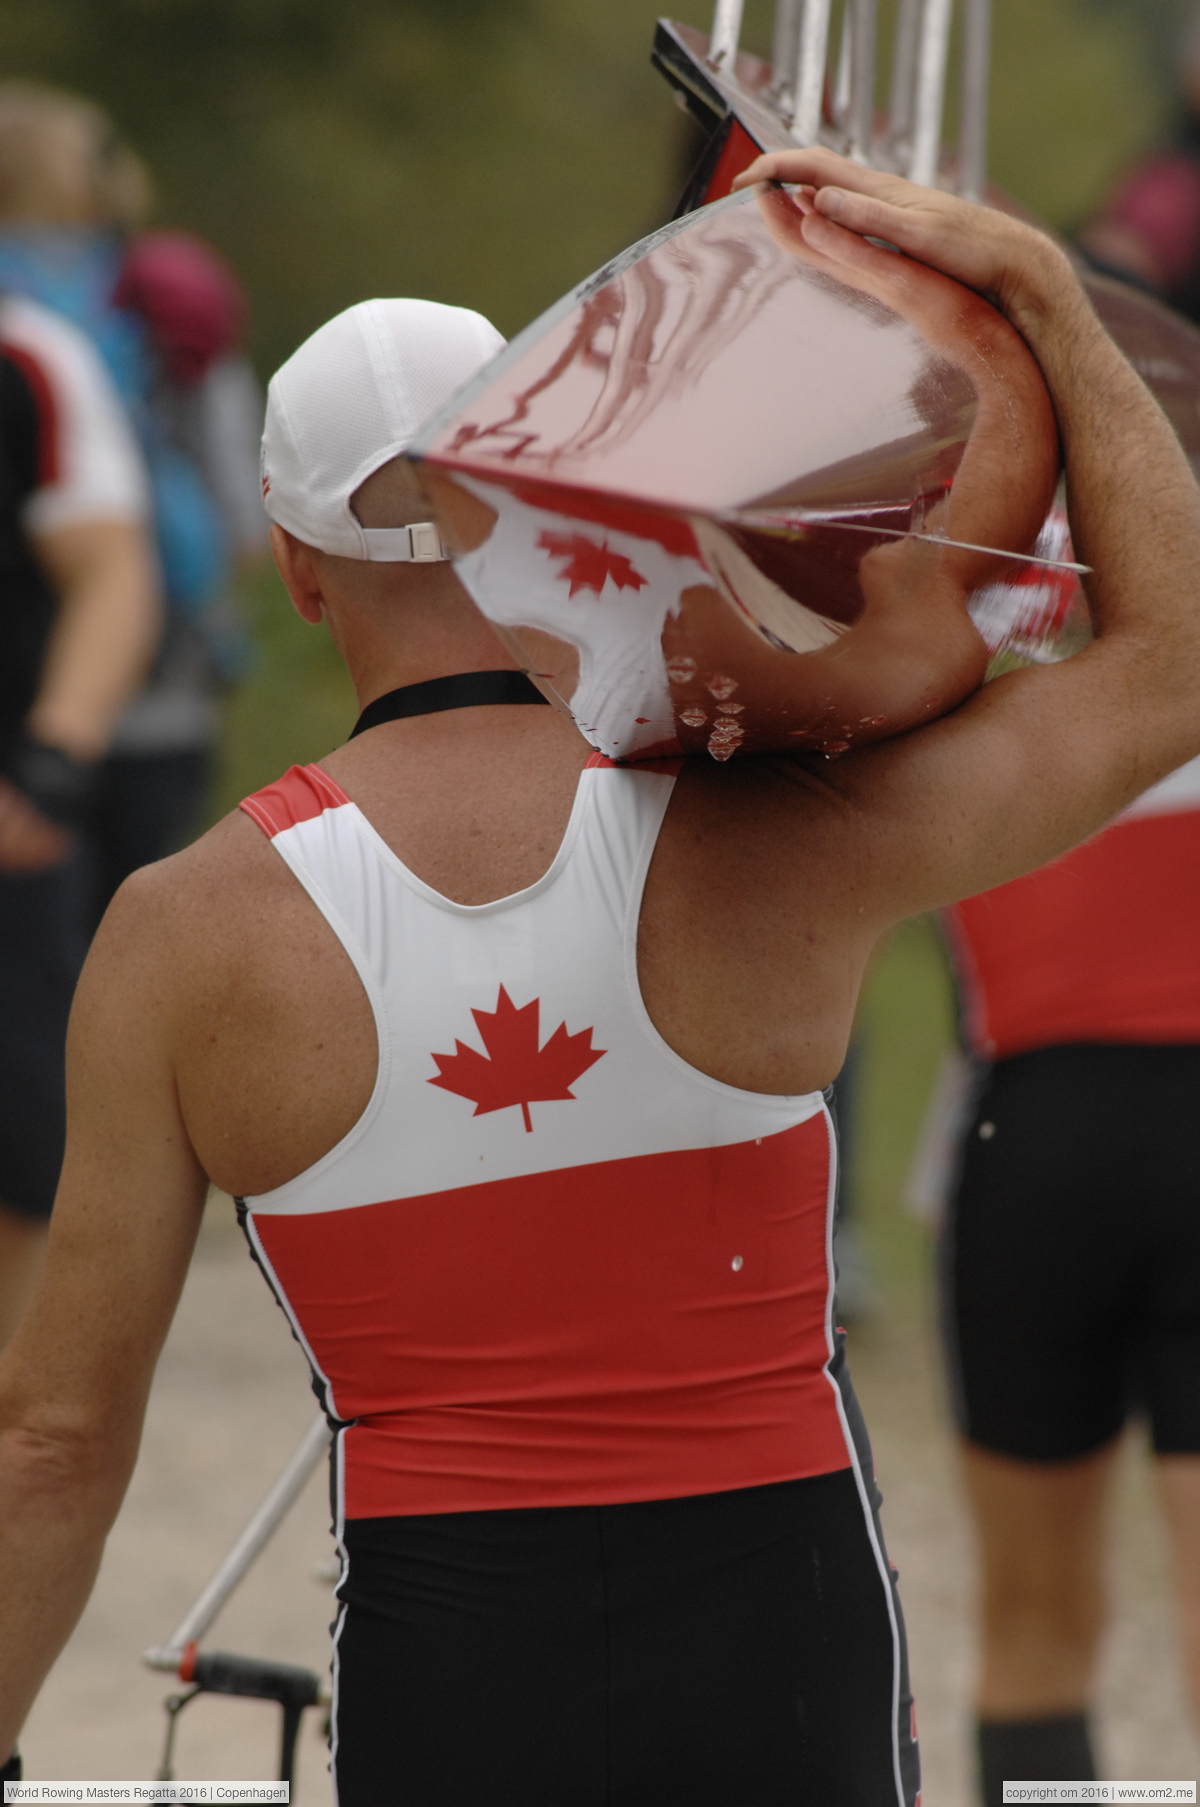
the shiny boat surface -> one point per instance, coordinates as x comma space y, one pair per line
733, 495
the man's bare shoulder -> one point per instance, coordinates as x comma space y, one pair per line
214, 900
769, 802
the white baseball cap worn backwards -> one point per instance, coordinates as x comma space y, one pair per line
352, 398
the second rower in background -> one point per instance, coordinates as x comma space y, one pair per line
1072, 1254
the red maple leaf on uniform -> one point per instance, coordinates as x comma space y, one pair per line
589, 565
515, 1070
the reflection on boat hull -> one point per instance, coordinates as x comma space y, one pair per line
736, 495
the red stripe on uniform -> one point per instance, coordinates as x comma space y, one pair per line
667, 768
632, 1329
302, 793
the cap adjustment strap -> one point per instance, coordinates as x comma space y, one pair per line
419, 543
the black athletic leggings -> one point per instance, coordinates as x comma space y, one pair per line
737, 1649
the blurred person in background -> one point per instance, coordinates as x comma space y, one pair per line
1071, 1253
79, 620
1148, 230
167, 315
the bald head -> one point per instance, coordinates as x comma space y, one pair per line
392, 623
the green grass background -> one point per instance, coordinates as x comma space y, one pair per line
492, 152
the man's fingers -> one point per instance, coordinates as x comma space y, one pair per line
864, 214
820, 168
990, 252
932, 228
932, 235
919, 221
834, 240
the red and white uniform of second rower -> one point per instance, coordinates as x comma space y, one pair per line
1099, 946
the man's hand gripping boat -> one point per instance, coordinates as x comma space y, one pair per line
734, 495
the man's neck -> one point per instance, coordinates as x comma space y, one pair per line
400, 626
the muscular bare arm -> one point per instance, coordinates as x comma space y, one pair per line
105, 633
1040, 758
74, 1381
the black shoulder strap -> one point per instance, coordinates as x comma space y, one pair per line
465, 690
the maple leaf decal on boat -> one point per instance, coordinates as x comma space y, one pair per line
515, 1070
589, 565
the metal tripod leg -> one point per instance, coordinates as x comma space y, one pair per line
292, 1717
174, 1704
194, 1624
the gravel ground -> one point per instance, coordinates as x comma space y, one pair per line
1143, 1723
230, 1403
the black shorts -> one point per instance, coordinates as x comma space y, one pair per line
43, 940
1071, 1260
145, 806
738, 1649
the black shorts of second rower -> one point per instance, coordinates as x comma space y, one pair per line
1071, 1259
736, 1649
43, 940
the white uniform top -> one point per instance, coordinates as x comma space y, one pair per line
92, 469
